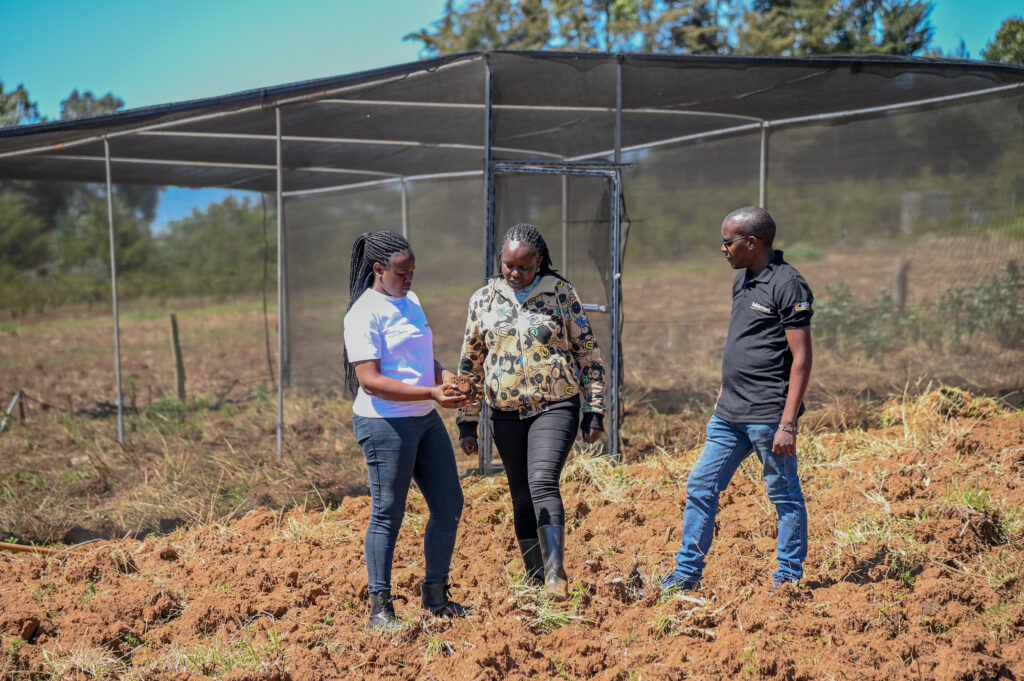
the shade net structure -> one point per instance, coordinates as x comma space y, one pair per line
896, 184
211, 268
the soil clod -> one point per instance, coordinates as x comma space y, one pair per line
460, 385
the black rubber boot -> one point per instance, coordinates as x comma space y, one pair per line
435, 599
552, 546
532, 561
382, 611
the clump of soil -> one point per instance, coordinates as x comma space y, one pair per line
460, 385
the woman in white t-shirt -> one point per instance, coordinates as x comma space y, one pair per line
389, 355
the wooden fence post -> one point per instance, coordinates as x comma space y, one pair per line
179, 363
899, 286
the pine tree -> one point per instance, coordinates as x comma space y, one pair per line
1008, 45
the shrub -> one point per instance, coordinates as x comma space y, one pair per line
993, 307
997, 308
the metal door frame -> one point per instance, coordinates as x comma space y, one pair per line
612, 175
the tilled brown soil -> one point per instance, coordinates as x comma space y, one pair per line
916, 571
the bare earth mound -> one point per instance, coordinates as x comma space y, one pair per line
916, 571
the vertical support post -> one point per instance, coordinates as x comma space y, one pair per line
615, 304
489, 234
565, 225
179, 362
484, 433
618, 108
763, 171
280, 290
899, 286
405, 209
615, 314
113, 291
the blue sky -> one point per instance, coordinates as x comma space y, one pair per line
150, 52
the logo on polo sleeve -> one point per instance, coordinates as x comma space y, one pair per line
802, 306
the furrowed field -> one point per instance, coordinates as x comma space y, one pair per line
213, 559
915, 568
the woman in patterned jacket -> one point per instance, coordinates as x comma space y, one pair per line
531, 349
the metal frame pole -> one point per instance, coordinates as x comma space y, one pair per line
405, 209
618, 109
615, 304
565, 226
113, 290
489, 234
484, 437
763, 170
317, 97
280, 290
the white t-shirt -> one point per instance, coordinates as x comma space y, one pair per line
395, 331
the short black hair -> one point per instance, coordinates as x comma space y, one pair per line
754, 221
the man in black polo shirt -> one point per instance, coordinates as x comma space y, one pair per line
765, 370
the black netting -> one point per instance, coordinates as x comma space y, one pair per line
204, 256
442, 222
907, 226
573, 214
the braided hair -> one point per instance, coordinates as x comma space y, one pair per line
369, 248
526, 233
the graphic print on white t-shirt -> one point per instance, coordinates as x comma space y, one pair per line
395, 331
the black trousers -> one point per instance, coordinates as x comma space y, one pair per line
534, 451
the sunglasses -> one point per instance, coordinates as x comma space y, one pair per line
726, 242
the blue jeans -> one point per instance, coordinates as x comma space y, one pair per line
726, 447
397, 451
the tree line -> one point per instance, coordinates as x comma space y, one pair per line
55, 244
706, 27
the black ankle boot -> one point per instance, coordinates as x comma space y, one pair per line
382, 610
435, 599
552, 546
532, 561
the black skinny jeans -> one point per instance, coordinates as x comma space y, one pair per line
534, 451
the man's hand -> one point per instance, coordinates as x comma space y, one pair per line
784, 442
591, 435
469, 444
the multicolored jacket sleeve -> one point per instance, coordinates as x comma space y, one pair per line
588, 357
471, 362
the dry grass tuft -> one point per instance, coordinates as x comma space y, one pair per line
81, 659
839, 412
183, 464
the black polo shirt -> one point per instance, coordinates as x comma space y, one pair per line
757, 358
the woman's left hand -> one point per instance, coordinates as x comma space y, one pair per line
591, 435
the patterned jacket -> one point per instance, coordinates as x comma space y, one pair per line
528, 357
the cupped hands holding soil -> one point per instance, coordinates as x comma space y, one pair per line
460, 385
